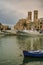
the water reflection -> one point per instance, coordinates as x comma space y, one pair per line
30, 43
31, 60
11, 48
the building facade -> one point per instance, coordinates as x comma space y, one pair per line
36, 24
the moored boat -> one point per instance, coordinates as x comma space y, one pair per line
29, 33
1, 33
37, 53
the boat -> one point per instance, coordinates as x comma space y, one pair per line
29, 33
9, 32
32, 53
1, 33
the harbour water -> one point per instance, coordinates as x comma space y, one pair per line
11, 50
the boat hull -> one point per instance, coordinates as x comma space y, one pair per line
30, 34
28, 54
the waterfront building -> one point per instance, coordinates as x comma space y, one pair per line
41, 23
20, 24
4, 27
28, 24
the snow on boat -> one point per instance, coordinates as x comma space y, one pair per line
37, 53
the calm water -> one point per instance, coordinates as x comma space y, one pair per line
11, 48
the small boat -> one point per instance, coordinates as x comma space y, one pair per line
32, 53
1, 33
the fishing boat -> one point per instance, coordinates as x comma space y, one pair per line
37, 53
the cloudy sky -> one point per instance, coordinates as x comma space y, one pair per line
13, 10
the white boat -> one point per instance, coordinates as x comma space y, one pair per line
1, 33
29, 32
9, 32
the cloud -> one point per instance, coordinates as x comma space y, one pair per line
12, 10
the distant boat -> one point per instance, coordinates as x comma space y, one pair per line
37, 53
9, 32
1, 33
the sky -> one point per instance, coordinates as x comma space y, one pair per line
13, 10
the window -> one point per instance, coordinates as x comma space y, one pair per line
40, 26
40, 22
